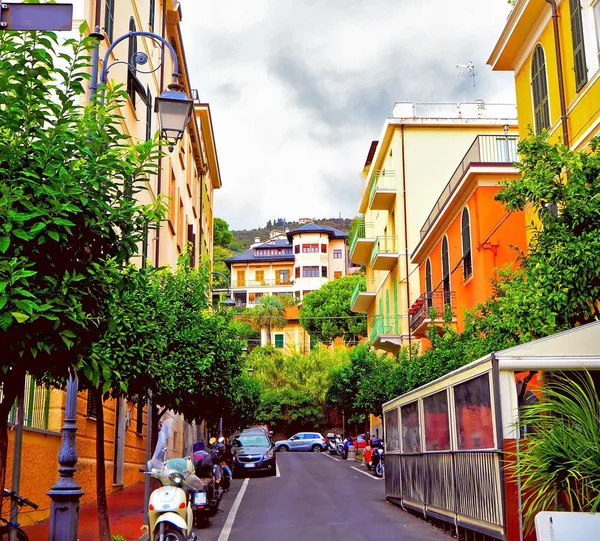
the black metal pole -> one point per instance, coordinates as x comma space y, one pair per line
18, 446
148, 455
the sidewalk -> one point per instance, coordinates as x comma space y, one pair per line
126, 517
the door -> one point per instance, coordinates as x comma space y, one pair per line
296, 442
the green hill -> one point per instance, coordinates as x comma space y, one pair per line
244, 238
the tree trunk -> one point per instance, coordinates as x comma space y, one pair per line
101, 501
269, 334
9, 395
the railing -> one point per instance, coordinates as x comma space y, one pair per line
359, 289
478, 109
261, 283
382, 180
37, 405
382, 325
363, 231
486, 149
461, 483
437, 299
384, 245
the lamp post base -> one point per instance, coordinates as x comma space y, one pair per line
64, 514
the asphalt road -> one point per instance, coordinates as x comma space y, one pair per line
314, 497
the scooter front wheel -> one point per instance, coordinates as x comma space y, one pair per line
379, 469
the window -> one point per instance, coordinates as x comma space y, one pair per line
297, 272
323, 272
392, 432
148, 114
411, 439
446, 271
279, 340
152, 10
428, 285
109, 19
283, 277
310, 248
437, 429
310, 272
539, 87
323, 248
473, 408
92, 405
297, 249
337, 254
241, 278
465, 227
260, 276
580, 66
139, 420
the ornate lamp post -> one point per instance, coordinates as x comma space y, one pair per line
174, 109
229, 302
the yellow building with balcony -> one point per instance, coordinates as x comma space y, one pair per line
408, 170
553, 48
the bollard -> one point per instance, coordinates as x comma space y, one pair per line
351, 452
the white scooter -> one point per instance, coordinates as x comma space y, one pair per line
169, 510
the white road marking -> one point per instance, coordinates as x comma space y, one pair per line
367, 474
332, 458
226, 531
278, 472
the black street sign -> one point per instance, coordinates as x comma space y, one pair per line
35, 16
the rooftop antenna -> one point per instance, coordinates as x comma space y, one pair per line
468, 70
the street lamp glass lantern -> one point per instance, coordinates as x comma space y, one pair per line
174, 109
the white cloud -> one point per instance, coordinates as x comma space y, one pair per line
299, 89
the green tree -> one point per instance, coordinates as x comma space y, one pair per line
558, 283
269, 313
325, 313
221, 234
68, 178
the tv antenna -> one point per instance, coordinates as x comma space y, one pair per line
468, 70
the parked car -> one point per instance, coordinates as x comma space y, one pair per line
360, 442
303, 441
253, 451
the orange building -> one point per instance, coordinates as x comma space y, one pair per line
466, 238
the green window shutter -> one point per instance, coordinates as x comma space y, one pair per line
580, 66
396, 306
539, 89
387, 310
279, 340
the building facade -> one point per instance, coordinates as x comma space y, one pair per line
556, 62
414, 161
295, 263
188, 177
467, 237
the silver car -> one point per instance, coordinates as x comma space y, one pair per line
303, 441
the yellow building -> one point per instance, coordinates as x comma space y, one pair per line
422, 153
553, 48
188, 176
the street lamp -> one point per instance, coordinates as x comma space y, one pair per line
229, 302
174, 109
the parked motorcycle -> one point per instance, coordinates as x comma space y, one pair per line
169, 510
377, 455
205, 502
333, 443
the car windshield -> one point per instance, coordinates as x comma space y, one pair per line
251, 440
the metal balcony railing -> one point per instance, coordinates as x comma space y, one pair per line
364, 230
384, 245
485, 150
261, 283
438, 299
382, 180
381, 325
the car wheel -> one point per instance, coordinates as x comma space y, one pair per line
273, 472
283, 448
316, 449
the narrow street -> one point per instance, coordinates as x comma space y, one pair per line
315, 497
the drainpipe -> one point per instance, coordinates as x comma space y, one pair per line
98, 11
406, 239
561, 81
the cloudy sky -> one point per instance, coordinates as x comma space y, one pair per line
298, 89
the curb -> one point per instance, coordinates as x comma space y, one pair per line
143, 537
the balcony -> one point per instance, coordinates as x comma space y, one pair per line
383, 190
486, 150
386, 333
384, 254
420, 312
361, 300
362, 243
261, 283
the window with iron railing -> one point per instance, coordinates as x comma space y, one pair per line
466, 243
580, 66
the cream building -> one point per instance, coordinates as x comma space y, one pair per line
296, 263
414, 161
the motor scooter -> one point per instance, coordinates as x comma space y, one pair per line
333, 443
375, 460
169, 510
206, 499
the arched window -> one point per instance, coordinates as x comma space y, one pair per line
579, 63
428, 285
131, 59
465, 227
539, 88
446, 270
